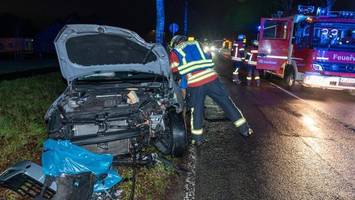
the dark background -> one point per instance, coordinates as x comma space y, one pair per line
213, 19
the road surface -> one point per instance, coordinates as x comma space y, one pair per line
303, 146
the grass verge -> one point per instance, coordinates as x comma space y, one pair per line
23, 103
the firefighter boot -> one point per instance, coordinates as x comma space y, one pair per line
258, 83
248, 81
245, 130
236, 77
257, 77
198, 140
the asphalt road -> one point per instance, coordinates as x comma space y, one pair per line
303, 146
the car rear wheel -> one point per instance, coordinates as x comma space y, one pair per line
174, 140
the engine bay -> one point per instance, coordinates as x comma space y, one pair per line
105, 118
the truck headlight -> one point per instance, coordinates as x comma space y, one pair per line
317, 67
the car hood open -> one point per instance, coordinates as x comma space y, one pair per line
88, 49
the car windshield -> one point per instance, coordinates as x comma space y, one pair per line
122, 76
107, 49
334, 35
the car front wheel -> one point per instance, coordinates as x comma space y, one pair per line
173, 141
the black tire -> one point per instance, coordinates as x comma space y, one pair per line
174, 141
290, 77
266, 75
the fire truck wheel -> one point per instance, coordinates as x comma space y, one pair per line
266, 75
289, 78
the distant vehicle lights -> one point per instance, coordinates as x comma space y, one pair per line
211, 48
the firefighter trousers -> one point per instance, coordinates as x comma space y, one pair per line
215, 90
237, 65
252, 70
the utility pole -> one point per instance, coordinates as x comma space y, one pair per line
159, 32
186, 25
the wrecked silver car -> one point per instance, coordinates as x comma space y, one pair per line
121, 95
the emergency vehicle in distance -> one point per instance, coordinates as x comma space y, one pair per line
318, 50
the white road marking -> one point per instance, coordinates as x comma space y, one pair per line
306, 102
289, 93
329, 115
190, 181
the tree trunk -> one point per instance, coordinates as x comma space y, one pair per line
186, 17
159, 32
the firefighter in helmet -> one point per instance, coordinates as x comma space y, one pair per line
251, 58
238, 55
188, 60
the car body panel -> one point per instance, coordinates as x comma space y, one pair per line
71, 71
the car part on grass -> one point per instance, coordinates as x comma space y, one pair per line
26, 179
61, 157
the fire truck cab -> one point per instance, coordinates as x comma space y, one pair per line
318, 51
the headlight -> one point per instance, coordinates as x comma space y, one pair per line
317, 67
213, 48
206, 49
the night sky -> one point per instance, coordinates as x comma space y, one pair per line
207, 18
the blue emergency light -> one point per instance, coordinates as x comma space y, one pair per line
321, 11
241, 37
305, 10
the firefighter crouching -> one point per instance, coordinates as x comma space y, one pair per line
251, 58
188, 60
238, 55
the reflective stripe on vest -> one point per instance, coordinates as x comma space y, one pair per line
201, 76
197, 67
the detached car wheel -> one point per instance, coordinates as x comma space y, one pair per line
173, 141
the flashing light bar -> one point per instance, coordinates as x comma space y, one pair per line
345, 14
302, 9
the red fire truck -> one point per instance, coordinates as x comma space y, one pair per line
318, 51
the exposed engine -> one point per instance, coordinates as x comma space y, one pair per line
107, 119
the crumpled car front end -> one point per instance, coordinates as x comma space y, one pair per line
120, 95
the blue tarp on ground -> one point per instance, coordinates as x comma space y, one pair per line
63, 157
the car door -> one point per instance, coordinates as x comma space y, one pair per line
274, 43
